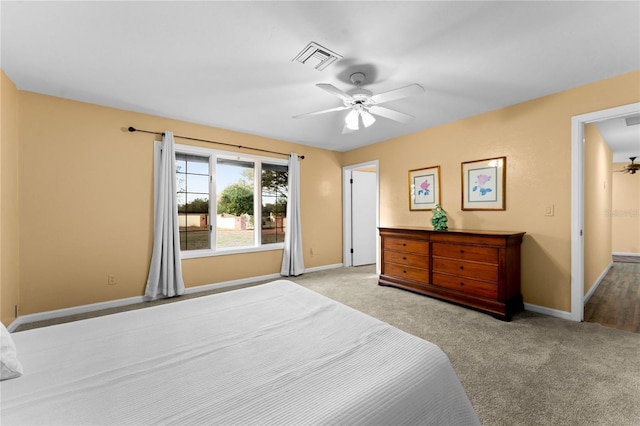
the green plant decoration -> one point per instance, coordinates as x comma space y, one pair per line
439, 219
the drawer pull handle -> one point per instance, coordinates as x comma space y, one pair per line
462, 267
461, 283
404, 244
404, 272
461, 251
404, 258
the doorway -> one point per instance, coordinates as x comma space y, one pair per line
360, 214
577, 199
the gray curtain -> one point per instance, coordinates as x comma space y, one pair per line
292, 259
165, 271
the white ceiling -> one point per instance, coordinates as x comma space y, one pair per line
229, 64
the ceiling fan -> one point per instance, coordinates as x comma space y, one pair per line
630, 168
364, 104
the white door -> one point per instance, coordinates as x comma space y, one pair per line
363, 218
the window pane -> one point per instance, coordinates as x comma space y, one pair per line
181, 163
192, 179
198, 165
235, 187
198, 184
274, 202
193, 164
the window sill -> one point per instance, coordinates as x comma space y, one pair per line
193, 254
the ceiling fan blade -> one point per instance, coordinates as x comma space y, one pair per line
335, 91
324, 111
403, 92
390, 114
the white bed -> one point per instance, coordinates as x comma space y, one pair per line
276, 353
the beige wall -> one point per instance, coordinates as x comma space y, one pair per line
597, 203
625, 213
535, 137
9, 216
86, 204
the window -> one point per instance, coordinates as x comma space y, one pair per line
235, 185
192, 182
275, 181
249, 211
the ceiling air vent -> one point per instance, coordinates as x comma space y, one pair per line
632, 121
317, 56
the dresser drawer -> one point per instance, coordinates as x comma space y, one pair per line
409, 246
406, 272
466, 285
465, 252
408, 259
481, 271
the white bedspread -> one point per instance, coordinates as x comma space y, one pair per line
273, 354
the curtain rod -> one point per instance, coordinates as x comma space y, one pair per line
133, 129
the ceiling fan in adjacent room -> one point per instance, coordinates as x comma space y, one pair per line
364, 105
630, 168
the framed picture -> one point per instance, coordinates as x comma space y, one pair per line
424, 188
484, 184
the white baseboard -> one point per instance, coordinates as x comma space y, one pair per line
58, 313
617, 253
47, 315
207, 287
564, 314
597, 283
233, 283
548, 311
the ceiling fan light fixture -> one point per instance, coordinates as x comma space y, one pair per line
630, 168
351, 120
367, 119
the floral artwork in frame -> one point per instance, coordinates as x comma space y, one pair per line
424, 188
484, 184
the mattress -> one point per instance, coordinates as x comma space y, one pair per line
272, 354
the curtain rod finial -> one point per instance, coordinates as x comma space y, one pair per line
131, 129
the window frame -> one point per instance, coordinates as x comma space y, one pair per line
213, 155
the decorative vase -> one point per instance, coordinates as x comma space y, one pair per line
439, 219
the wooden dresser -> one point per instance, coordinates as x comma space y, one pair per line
478, 269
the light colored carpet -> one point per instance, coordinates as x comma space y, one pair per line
534, 370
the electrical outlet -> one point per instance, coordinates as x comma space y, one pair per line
111, 279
